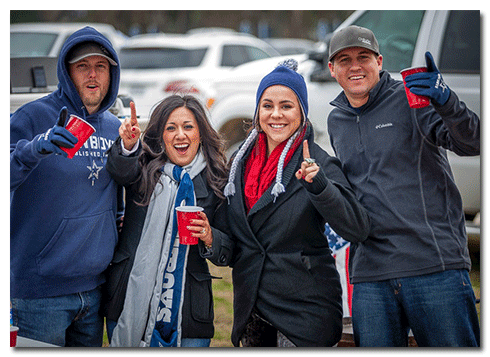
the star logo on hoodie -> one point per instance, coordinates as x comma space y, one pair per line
94, 171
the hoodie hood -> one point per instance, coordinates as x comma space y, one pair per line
67, 89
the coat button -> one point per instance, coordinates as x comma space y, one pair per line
222, 259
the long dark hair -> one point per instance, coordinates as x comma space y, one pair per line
153, 155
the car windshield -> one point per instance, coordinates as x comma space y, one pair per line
396, 31
151, 58
27, 44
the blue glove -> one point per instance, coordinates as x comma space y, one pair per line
429, 83
56, 137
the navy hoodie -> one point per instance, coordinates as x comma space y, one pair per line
62, 211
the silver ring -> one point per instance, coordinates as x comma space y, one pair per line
310, 161
203, 231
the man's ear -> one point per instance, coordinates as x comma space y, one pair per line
330, 67
380, 62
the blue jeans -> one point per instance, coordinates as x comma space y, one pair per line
439, 308
186, 342
195, 342
68, 320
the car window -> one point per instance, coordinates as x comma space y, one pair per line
151, 58
461, 45
396, 31
255, 53
235, 55
27, 44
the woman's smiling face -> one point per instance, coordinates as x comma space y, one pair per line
181, 136
279, 115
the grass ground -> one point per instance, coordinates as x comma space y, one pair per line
223, 306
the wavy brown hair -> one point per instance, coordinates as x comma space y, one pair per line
153, 155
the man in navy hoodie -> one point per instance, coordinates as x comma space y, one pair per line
63, 211
412, 270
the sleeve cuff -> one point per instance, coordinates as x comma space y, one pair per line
320, 181
126, 152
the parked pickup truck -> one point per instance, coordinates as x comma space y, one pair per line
452, 36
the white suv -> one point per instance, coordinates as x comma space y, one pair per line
154, 66
45, 39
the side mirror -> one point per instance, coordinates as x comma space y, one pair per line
322, 76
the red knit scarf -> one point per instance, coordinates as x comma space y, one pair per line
261, 171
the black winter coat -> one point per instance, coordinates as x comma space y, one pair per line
198, 312
281, 261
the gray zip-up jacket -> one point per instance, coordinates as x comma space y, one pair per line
395, 159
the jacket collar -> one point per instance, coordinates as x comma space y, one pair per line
200, 188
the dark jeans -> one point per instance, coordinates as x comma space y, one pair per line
439, 308
69, 320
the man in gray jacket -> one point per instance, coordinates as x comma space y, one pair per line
412, 270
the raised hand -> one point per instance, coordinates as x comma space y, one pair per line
130, 131
309, 168
430, 83
57, 137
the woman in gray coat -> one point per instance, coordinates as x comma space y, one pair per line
282, 189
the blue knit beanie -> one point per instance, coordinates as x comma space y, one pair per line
285, 74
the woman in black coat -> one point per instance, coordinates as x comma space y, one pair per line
282, 190
145, 269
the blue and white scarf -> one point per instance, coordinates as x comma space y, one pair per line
166, 332
152, 311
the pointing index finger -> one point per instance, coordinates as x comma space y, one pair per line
306, 150
134, 121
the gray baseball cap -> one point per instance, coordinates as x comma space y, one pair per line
88, 49
352, 36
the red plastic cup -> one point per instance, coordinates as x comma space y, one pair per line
184, 216
81, 129
414, 100
13, 336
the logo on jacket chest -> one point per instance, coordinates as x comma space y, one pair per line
95, 146
381, 126
94, 171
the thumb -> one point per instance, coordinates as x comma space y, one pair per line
299, 174
431, 64
62, 117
